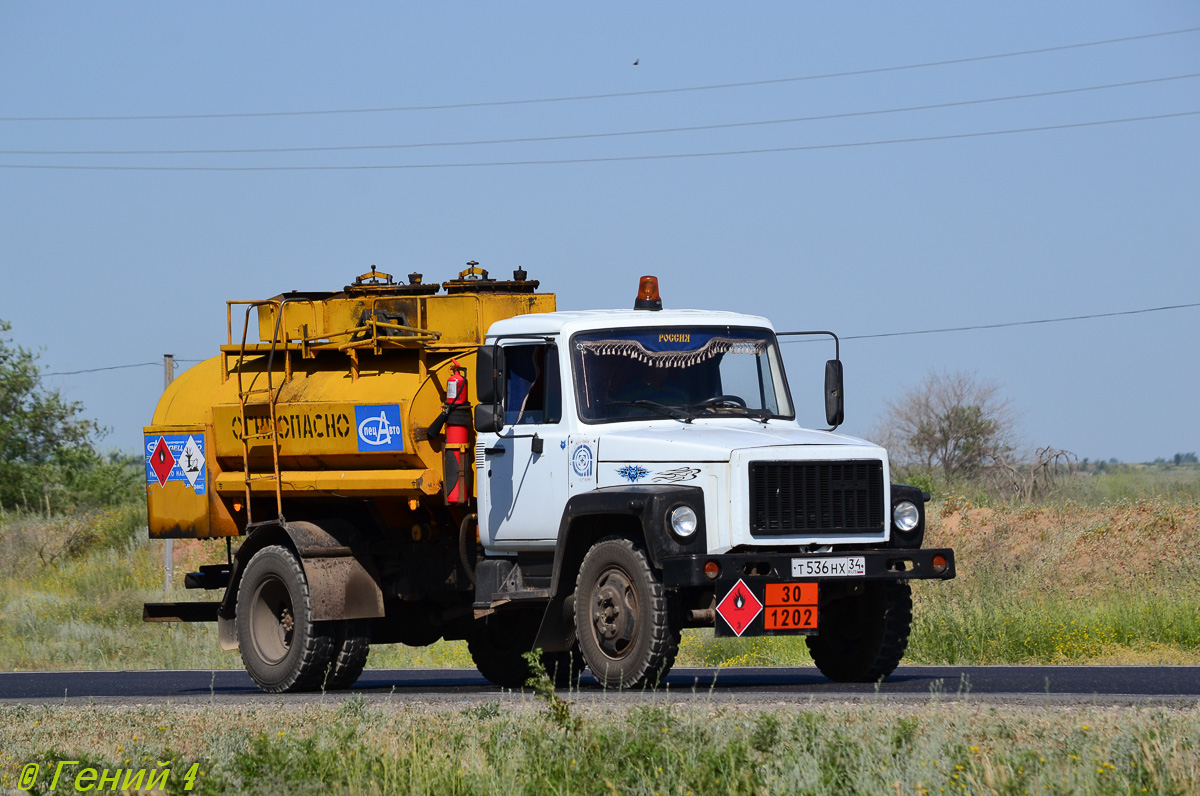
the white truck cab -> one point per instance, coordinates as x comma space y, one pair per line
642, 471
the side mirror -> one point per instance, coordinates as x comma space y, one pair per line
489, 418
489, 376
835, 407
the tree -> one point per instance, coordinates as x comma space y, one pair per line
47, 448
952, 422
961, 426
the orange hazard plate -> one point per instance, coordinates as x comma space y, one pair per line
790, 594
798, 617
790, 606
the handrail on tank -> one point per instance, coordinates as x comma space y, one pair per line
251, 304
314, 342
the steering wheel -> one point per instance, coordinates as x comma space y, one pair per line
723, 400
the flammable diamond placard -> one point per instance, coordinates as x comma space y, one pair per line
161, 461
739, 608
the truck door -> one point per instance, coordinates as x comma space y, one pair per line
522, 493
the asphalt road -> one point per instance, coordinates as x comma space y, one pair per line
1116, 685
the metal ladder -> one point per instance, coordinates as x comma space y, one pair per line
272, 426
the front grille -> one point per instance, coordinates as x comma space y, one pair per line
816, 497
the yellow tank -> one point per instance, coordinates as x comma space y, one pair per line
339, 389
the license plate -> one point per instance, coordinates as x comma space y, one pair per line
838, 567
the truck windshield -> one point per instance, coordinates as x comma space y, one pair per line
681, 372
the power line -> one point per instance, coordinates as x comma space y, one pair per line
1015, 323
113, 367
610, 95
580, 136
613, 159
850, 337
110, 367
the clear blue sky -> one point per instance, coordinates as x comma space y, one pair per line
117, 267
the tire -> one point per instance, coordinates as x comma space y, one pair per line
628, 628
862, 636
282, 648
498, 643
352, 644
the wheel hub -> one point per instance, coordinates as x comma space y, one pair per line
614, 613
273, 622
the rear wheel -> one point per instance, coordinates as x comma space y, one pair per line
282, 648
628, 632
352, 644
863, 634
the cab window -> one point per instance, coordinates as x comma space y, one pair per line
533, 391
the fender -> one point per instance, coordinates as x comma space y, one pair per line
637, 511
342, 582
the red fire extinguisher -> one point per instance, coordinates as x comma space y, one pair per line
456, 417
456, 386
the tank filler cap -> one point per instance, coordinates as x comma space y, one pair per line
476, 280
474, 272
373, 278
377, 283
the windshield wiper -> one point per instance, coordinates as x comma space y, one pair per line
669, 411
758, 414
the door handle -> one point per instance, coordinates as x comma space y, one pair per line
494, 451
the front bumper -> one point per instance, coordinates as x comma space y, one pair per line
681, 572
757, 594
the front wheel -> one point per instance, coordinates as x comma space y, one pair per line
863, 634
282, 648
627, 630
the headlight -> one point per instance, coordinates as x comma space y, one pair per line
905, 515
683, 521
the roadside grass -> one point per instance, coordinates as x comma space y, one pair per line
83, 609
511, 746
1133, 482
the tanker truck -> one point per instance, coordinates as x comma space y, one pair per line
408, 462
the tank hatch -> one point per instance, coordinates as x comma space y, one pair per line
475, 280
377, 283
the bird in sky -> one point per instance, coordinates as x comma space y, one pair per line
635, 62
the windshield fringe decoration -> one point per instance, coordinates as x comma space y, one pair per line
633, 349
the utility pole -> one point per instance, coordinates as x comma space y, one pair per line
168, 544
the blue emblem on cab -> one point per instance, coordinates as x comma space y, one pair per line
581, 461
379, 428
632, 473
